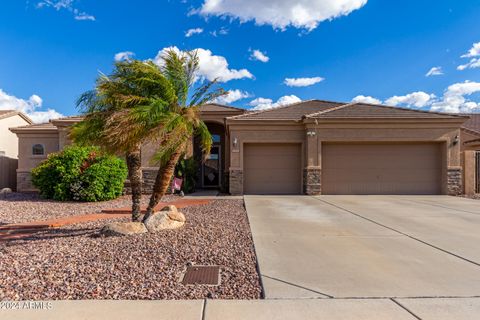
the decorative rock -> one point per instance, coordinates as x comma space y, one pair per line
5, 191
167, 218
123, 228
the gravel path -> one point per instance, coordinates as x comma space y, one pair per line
76, 263
26, 207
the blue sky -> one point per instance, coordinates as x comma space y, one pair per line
379, 51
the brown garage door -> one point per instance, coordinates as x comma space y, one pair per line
381, 168
272, 168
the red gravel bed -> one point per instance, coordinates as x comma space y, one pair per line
76, 263
26, 207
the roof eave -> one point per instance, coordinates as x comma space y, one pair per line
457, 120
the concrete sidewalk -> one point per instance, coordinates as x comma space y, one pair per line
304, 309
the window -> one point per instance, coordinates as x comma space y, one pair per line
215, 138
38, 150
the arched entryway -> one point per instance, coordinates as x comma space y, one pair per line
211, 169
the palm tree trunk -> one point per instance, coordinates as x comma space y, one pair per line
164, 176
134, 164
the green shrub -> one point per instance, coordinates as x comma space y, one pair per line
187, 170
80, 174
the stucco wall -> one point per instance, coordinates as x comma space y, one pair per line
8, 139
469, 171
27, 160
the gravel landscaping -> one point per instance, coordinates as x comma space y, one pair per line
74, 262
26, 207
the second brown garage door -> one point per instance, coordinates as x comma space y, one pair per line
272, 168
414, 168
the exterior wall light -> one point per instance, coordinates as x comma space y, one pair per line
235, 142
456, 140
311, 133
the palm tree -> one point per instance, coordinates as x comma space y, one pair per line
182, 121
134, 88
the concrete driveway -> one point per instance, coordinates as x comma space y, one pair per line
366, 246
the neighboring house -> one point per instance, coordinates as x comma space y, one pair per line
311, 147
9, 146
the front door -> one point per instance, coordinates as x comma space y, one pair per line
211, 168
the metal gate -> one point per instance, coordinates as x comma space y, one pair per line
477, 171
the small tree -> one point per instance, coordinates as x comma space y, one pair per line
181, 120
80, 174
133, 86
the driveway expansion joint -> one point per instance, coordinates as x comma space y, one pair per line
440, 206
400, 232
298, 286
204, 308
405, 308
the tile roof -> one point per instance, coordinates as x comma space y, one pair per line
363, 110
215, 107
10, 113
35, 126
5, 112
473, 123
294, 111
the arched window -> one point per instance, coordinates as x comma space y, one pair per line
38, 150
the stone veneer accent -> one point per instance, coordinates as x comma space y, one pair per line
454, 181
312, 181
24, 181
236, 182
148, 177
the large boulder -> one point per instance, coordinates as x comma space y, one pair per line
123, 228
167, 218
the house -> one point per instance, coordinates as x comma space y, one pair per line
9, 146
311, 147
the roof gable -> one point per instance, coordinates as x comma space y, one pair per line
472, 124
11, 113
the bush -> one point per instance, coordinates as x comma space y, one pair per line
187, 170
80, 174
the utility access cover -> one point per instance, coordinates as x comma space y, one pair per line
209, 275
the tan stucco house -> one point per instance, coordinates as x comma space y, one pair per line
9, 145
311, 147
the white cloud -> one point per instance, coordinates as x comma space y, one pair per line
417, 99
302, 82
82, 16
232, 96
44, 116
221, 32
68, 5
191, 32
366, 99
125, 55
474, 63
435, 71
304, 14
210, 66
265, 103
473, 52
454, 100
29, 107
259, 55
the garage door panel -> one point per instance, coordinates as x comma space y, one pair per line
381, 168
272, 168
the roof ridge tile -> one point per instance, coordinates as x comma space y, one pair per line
328, 110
